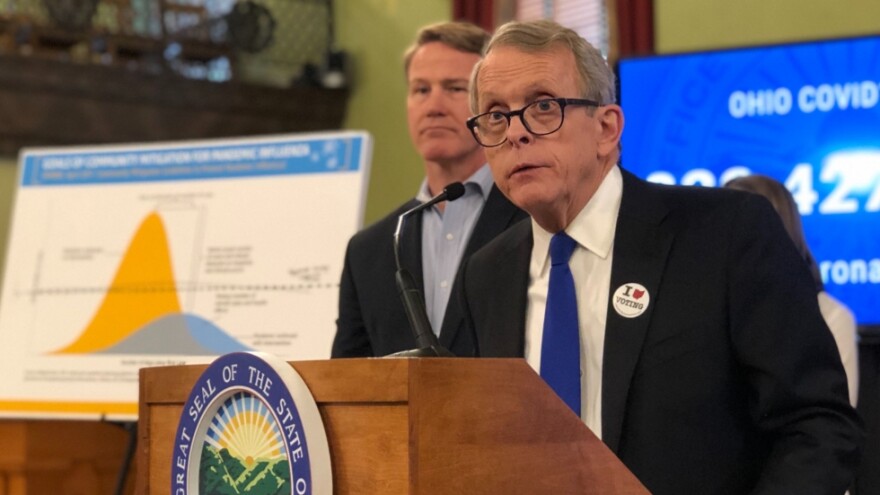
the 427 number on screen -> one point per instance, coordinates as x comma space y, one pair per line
854, 178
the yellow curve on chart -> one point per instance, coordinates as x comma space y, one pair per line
142, 291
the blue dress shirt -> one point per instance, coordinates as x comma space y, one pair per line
444, 238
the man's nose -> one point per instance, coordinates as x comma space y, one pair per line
437, 102
517, 133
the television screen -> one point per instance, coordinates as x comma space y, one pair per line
807, 114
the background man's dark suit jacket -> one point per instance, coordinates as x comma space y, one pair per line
730, 382
371, 318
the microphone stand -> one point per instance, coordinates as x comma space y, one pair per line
427, 342
413, 302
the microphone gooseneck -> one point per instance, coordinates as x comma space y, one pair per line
413, 301
450, 193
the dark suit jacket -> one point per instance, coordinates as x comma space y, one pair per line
730, 382
371, 319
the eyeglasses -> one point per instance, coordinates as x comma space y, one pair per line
540, 117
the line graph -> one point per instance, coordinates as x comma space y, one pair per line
141, 313
122, 257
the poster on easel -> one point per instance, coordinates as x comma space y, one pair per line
124, 257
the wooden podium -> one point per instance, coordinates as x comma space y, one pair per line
39, 457
418, 426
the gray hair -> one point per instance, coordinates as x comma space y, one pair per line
596, 78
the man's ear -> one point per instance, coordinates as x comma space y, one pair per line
610, 118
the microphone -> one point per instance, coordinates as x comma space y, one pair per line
413, 302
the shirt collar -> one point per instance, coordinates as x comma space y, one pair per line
594, 226
480, 181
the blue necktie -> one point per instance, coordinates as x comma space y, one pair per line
560, 348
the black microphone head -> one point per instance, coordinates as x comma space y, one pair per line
454, 191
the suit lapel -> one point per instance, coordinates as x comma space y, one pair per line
504, 331
641, 246
498, 214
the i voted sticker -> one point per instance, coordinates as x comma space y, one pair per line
631, 300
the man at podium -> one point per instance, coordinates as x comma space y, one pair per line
678, 323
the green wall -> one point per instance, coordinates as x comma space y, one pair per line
375, 34
8, 173
691, 25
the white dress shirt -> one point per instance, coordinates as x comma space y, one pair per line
593, 229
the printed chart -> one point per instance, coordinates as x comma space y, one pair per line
126, 257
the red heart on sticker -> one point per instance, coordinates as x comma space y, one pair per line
638, 293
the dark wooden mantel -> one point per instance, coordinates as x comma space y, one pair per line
49, 103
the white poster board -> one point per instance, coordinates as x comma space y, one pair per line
122, 257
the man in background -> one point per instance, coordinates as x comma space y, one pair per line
679, 323
371, 319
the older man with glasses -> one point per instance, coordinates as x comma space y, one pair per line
678, 323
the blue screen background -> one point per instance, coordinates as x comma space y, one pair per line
679, 123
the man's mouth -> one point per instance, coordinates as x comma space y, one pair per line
523, 167
428, 130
